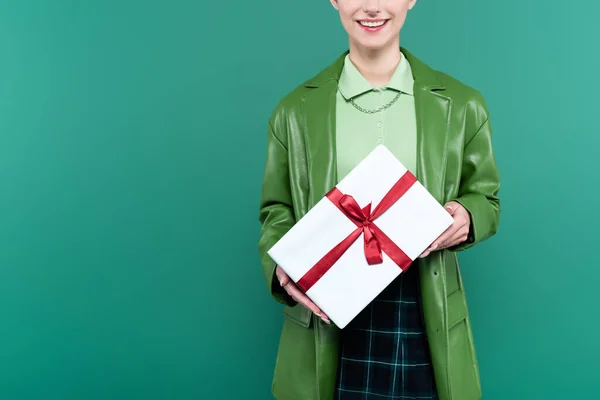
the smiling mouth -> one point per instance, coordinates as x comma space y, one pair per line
372, 25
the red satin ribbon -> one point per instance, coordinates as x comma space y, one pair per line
375, 240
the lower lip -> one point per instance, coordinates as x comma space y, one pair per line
373, 29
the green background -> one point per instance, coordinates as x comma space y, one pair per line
132, 143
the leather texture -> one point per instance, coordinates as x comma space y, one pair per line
455, 161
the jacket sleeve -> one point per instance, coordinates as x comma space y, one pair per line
480, 180
275, 210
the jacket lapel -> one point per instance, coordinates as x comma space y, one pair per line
433, 121
432, 124
319, 109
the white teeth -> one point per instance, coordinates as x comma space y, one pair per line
371, 24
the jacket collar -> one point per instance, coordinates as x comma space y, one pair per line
425, 77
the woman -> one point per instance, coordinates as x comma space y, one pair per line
414, 340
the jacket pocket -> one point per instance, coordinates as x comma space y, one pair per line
452, 273
457, 308
298, 314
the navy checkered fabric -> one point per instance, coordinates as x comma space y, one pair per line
385, 354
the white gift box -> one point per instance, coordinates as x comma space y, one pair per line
349, 284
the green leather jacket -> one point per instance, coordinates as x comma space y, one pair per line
455, 161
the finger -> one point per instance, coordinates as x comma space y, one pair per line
461, 222
303, 299
461, 217
296, 294
447, 236
282, 277
460, 214
441, 241
459, 237
284, 280
451, 207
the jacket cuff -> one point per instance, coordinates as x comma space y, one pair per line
279, 293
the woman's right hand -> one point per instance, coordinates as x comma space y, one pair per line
294, 291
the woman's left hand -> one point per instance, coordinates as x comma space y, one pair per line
456, 233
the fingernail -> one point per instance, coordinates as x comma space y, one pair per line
326, 321
435, 246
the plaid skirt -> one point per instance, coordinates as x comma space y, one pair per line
384, 353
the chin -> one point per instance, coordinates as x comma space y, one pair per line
373, 45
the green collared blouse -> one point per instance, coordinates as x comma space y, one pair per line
357, 133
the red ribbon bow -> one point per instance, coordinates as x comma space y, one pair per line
363, 219
376, 240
